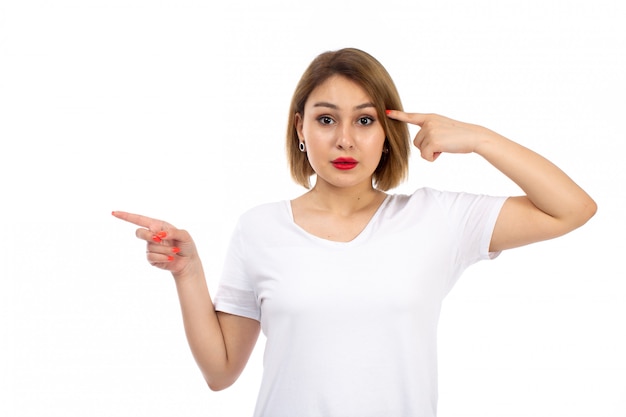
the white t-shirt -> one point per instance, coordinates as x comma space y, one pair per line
351, 327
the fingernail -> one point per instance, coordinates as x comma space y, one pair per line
387, 111
175, 250
162, 235
170, 258
156, 239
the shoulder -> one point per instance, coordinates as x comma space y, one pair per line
422, 197
449, 198
263, 223
441, 202
277, 210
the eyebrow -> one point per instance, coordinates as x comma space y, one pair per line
335, 107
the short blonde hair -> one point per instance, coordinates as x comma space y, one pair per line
367, 72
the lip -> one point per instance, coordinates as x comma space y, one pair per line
344, 163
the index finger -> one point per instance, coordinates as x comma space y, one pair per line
139, 220
412, 118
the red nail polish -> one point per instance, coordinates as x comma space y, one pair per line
162, 235
156, 239
175, 250
387, 111
170, 258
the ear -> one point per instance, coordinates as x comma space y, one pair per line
298, 123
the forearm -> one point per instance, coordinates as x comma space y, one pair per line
545, 185
202, 326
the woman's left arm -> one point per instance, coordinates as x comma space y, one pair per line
553, 205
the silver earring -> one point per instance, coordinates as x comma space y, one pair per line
302, 147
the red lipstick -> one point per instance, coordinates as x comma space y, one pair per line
344, 163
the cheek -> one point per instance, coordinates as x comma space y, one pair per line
318, 137
375, 148
316, 149
375, 140
310, 133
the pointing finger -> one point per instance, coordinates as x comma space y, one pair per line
149, 223
412, 118
136, 219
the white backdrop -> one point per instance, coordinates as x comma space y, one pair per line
177, 110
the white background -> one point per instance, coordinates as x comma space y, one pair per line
177, 110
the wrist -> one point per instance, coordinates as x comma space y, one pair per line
486, 140
193, 271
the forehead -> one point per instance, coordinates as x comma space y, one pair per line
338, 90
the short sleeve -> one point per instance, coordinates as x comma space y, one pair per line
236, 293
472, 219
482, 214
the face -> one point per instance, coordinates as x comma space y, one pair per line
344, 138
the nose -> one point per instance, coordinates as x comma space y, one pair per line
345, 137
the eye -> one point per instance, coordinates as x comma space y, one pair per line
325, 120
365, 120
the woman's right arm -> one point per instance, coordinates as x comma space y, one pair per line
221, 343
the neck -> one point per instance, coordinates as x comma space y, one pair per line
344, 200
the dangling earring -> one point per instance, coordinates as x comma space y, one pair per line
386, 146
302, 147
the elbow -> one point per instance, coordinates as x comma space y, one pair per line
217, 387
219, 384
585, 211
593, 209
220, 378
589, 210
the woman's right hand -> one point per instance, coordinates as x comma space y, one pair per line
167, 247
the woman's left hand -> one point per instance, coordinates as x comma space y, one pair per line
441, 134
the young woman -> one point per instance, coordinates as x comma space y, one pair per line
346, 281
